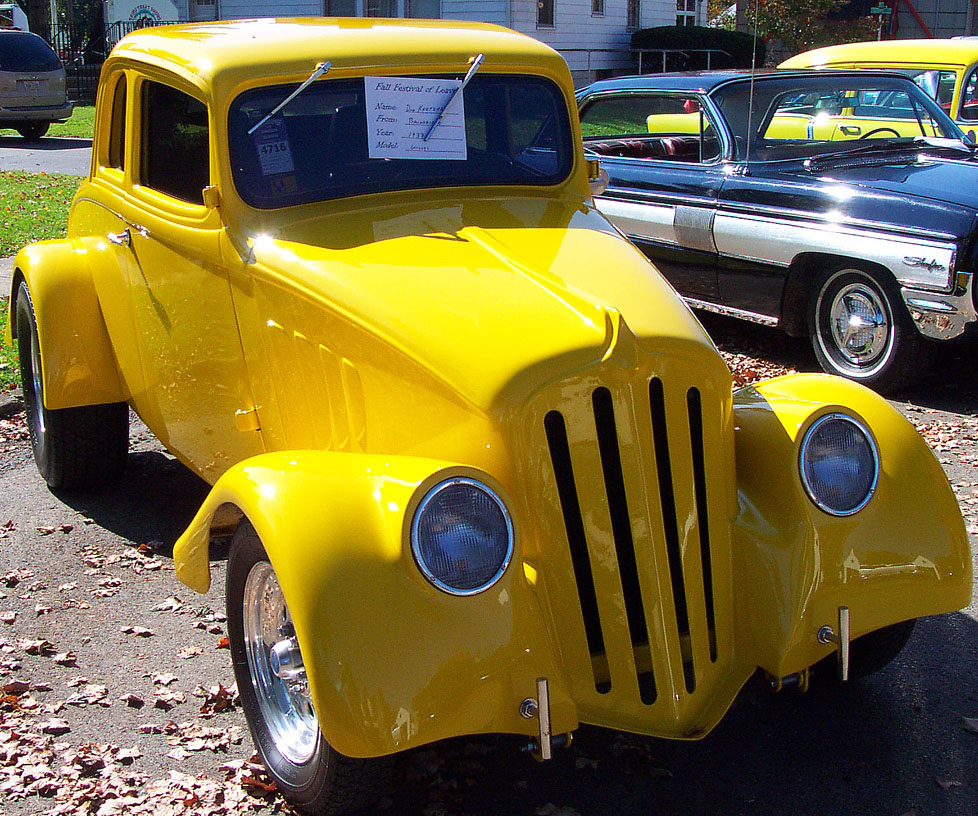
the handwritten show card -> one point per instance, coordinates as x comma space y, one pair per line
400, 111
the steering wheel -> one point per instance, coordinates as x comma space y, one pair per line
880, 130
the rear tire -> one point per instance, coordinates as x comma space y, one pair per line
33, 131
861, 330
73, 447
310, 774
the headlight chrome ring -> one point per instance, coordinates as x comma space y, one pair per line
839, 464
462, 536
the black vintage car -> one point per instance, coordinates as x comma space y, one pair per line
838, 204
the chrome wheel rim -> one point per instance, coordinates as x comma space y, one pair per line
37, 384
275, 665
859, 325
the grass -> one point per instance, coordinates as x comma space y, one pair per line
9, 373
80, 123
33, 206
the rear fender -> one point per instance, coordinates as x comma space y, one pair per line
77, 361
392, 661
904, 555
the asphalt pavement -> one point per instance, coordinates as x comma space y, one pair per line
48, 155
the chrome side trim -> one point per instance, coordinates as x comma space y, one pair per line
730, 311
779, 242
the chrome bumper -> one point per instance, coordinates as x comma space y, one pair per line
942, 316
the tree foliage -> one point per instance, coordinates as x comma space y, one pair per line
800, 25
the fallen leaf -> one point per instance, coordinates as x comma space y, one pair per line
946, 783
970, 724
54, 727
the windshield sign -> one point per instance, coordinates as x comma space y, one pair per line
349, 137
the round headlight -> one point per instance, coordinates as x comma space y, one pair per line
462, 536
839, 464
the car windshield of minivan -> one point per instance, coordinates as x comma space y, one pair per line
803, 117
21, 52
338, 138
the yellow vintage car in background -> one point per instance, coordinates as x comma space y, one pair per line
485, 471
946, 69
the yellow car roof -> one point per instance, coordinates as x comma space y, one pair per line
282, 46
962, 51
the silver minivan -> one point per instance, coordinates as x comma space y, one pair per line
33, 91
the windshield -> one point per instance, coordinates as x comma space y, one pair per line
319, 146
800, 117
20, 51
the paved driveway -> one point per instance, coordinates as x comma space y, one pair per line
47, 155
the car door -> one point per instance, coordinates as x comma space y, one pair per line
193, 371
662, 152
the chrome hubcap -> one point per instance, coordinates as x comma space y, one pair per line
859, 325
275, 664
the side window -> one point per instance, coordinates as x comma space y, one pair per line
175, 156
969, 98
656, 126
117, 129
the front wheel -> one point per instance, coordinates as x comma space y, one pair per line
73, 447
861, 330
271, 677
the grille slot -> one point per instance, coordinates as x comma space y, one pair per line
576, 538
604, 421
660, 435
699, 480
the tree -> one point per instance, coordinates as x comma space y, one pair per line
38, 16
799, 25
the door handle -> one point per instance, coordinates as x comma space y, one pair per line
851, 130
123, 238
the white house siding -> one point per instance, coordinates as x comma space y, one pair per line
592, 45
484, 11
243, 9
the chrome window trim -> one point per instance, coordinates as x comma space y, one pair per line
726, 142
423, 567
876, 463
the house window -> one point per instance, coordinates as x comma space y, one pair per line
634, 13
340, 8
685, 12
545, 13
423, 9
597, 8
380, 8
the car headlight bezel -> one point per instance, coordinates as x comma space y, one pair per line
804, 458
422, 563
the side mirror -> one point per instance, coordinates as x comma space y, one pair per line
597, 177
969, 139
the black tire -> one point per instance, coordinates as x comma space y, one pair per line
73, 447
34, 130
876, 650
324, 782
871, 652
887, 353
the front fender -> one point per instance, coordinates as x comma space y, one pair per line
392, 661
77, 361
905, 555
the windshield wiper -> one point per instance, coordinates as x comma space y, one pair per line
476, 62
887, 147
321, 69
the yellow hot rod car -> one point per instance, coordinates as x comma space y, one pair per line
486, 470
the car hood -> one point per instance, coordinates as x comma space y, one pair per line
936, 179
489, 297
